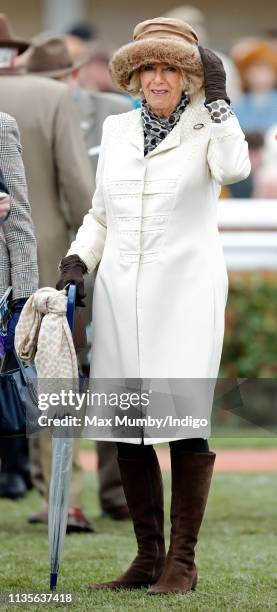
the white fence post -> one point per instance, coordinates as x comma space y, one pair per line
248, 230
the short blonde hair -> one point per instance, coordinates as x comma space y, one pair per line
134, 86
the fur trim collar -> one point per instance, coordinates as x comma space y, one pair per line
152, 50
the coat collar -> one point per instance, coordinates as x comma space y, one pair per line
194, 112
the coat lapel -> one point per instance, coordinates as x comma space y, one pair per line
135, 133
191, 116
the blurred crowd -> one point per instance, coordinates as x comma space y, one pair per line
251, 68
59, 90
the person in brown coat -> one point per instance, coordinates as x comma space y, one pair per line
49, 57
61, 184
59, 178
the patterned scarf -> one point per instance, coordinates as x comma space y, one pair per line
157, 128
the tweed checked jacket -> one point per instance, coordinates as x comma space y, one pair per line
18, 249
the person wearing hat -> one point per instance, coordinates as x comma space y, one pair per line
10, 46
59, 178
257, 107
161, 285
94, 74
49, 56
63, 184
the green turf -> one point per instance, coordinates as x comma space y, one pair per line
241, 443
237, 553
223, 438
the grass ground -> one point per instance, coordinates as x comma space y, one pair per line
242, 438
237, 553
224, 437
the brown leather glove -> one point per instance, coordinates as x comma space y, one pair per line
72, 270
214, 76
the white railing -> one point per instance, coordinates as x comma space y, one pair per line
248, 229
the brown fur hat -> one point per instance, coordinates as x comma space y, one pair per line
160, 40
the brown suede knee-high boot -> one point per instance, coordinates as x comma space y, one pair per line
143, 488
191, 479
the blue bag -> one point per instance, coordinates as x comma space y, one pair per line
18, 389
18, 398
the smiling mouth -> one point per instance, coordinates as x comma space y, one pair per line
159, 92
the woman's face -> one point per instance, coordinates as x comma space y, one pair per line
162, 86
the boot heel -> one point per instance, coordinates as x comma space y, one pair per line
194, 584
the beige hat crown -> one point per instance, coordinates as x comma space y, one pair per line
159, 40
49, 56
162, 27
8, 38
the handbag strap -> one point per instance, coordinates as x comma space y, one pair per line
18, 363
20, 366
27, 381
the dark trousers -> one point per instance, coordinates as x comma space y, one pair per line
177, 447
14, 454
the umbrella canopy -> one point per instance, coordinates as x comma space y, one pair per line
62, 451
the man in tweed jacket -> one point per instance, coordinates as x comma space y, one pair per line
18, 268
18, 250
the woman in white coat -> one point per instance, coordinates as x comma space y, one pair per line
161, 285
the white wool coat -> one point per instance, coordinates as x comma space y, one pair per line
161, 286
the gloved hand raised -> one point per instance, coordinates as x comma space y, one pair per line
72, 270
214, 76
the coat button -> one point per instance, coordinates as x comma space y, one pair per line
198, 126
